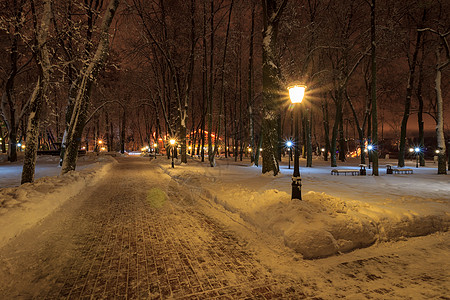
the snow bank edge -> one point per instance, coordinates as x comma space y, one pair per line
30, 203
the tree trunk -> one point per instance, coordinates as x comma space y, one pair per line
440, 116
222, 86
250, 89
420, 112
122, 131
271, 85
342, 146
3, 142
88, 76
309, 149
326, 128
409, 90
373, 89
211, 87
37, 98
334, 133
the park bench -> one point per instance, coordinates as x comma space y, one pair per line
345, 172
402, 171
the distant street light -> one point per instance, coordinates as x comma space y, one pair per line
172, 144
417, 151
296, 94
289, 146
155, 145
370, 148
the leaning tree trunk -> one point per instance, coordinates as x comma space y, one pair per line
88, 76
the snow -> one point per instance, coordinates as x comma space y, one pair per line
23, 206
361, 227
337, 214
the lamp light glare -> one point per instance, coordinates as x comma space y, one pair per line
289, 144
370, 147
417, 149
437, 151
296, 93
172, 142
411, 150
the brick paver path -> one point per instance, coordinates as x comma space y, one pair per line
123, 239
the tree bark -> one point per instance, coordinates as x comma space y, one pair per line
271, 85
373, 90
37, 98
409, 91
88, 76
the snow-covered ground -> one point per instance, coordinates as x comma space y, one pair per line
337, 214
373, 219
23, 206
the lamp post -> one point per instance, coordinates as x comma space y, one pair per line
172, 144
289, 145
296, 94
417, 151
370, 148
155, 145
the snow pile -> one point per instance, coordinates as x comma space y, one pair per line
22, 207
320, 225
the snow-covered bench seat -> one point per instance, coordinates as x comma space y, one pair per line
345, 172
402, 171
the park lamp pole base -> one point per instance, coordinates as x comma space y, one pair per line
296, 188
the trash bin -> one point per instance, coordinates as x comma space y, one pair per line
362, 169
388, 169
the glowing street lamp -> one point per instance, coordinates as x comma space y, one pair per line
172, 144
417, 151
155, 145
296, 94
370, 148
289, 146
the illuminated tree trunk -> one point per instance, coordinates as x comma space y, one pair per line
37, 98
87, 77
271, 85
440, 109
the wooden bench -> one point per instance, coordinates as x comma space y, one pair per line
345, 172
402, 171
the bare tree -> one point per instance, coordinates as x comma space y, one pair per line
271, 84
41, 55
83, 87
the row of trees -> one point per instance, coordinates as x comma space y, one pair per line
202, 71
